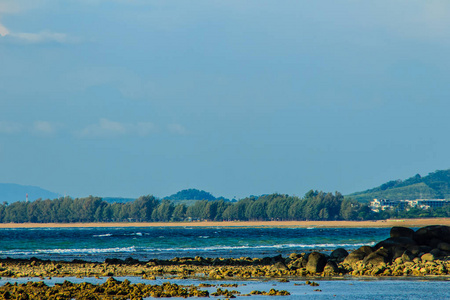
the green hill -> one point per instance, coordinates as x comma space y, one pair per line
435, 185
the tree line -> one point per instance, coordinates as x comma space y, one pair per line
314, 205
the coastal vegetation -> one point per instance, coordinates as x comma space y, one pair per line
314, 205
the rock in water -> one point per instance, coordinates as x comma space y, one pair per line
402, 232
316, 262
339, 254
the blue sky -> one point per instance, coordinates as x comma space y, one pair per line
126, 98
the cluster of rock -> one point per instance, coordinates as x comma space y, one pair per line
114, 289
111, 289
405, 253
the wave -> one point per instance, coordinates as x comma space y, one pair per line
283, 246
149, 250
68, 251
103, 235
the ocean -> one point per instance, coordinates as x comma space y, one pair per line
144, 243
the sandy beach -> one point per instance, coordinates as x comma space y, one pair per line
305, 224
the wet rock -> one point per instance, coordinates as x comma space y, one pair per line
331, 268
381, 256
424, 235
408, 256
444, 246
395, 241
398, 231
316, 262
280, 266
427, 257
339, 254
358, 255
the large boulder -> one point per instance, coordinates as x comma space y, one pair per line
398, 231
430, 234
358, 255
395, 241
316, 262
380, 256
339, 254
331, 268
408, 256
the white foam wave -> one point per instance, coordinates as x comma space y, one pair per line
178, 249
283, 246
69, 251
103, 235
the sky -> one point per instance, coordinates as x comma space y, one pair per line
127, 98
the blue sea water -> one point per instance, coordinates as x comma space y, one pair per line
144, 243
351, 289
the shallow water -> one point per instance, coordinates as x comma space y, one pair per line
392, 289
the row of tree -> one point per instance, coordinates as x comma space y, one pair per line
313, 206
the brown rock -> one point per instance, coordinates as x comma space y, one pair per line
424, 235
408, 256
316, 262
358, 255
339, 254
444, 246
398, 231
331, 267
427, 257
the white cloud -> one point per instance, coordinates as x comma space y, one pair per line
44, 128
104, 128
10, 127
177, 129
107, 129
3, 30
44, 36
41, 37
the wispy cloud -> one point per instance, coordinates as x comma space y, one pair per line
108, 129
176, 128
10, 127
43, 36
3, 30
44, 128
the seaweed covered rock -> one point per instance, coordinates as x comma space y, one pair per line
358, 255
316, 262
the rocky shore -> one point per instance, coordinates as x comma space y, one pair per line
406, 252
425, 252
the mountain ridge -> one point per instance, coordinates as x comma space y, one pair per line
12, 192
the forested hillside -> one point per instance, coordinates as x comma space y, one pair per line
435, 185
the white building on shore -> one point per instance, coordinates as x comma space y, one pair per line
385, 204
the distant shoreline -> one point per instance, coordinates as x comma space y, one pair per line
299, 224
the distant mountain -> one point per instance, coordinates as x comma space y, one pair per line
192, 194
435, 185
11, 192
